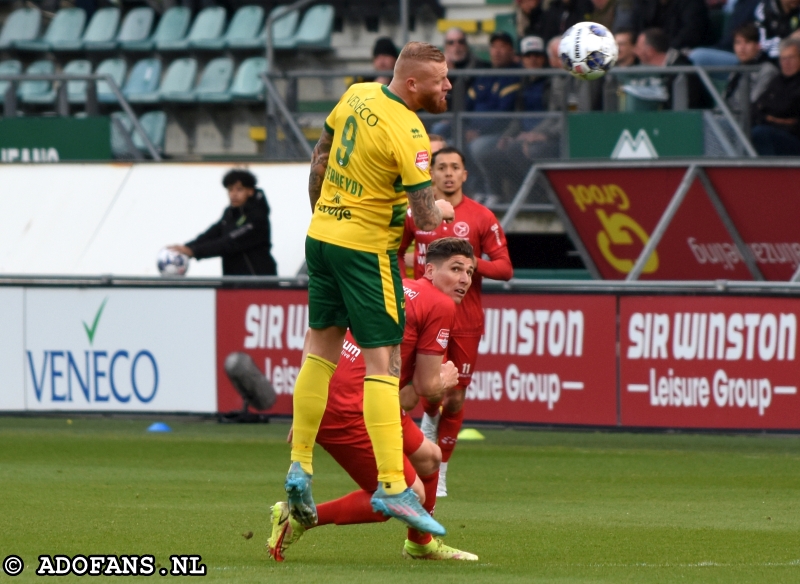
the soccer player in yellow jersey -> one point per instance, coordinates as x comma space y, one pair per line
371, 163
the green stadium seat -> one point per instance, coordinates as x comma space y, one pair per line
143, 81
66, 27
116, 68
121, 127
282, 33
172, 27
33, 91
21, 25
76, 90
8, 67
315, 30
214, 84
247, 84
136, 27
208, 25
155, 126
506, 23
244, 26
101, 30
179, 79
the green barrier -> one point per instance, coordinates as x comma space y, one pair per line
55, 139
639, 135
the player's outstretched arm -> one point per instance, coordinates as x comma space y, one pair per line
426, 214
319, 162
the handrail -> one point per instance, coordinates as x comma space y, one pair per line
282, 11
90, 77
286, 114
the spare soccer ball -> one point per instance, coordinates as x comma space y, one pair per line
172, 263
588, 50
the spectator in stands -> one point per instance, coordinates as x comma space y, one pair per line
652, 48
604, 13
491, 94
529, 18
524, 142
685, 22
748, 50
437, 143
776, 113
626, 40
384, 56
242, 236
562, 14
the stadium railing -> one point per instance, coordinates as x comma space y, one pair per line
62, 103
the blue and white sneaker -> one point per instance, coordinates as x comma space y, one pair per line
406, 507
301, 503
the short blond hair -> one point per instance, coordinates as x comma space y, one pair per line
421, 52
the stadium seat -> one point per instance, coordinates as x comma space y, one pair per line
247, 84
506, 23
244, 25
172, 27
283, 30
124, 138
21, 25
208, 25
35, 91
116, 68
179, 79
315, 30
9, 67
143, 81
214, 83
136, 27
155, 126
76, 90
66, 27
102, 29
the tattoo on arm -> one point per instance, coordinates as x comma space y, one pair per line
424, 210
394, 362
319, 162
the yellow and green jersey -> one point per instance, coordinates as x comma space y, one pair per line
380, 151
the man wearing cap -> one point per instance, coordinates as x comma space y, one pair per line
384, 56
491, 94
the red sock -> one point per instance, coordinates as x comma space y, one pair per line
430, 408
449, 427
348, 510
429, 483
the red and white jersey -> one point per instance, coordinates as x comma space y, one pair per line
477, 224
429, 318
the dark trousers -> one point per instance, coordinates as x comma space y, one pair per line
772, 141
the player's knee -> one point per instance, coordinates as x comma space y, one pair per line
454, 401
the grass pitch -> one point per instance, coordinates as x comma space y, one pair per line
535, 506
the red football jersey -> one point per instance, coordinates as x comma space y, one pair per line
429, 318
478, 224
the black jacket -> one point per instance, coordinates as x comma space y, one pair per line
562, 14
685, 22
241, 238
774, 24
781, 99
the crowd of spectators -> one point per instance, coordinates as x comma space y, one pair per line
656, 33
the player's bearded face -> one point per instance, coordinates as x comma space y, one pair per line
432, 88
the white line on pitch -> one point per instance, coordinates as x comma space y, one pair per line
572, 385
785, 390
638, 387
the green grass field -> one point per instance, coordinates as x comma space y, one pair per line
536, 506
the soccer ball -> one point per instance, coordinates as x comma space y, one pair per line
172, 263
588, 50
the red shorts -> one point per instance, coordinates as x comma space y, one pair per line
463, 352
351, 448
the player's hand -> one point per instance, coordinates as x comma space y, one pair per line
182, 249
290, 435
449, 375
446, 209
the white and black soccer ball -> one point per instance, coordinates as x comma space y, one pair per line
588, 50
172, 263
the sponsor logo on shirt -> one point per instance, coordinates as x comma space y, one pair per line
460, 229
410, 293
415, 133
496, 230
443, 337
423, 160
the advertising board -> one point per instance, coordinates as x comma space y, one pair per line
615, 211
268, 325
546, 359
12, 303
709, 362
121, 350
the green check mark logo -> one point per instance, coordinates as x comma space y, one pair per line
90, 331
